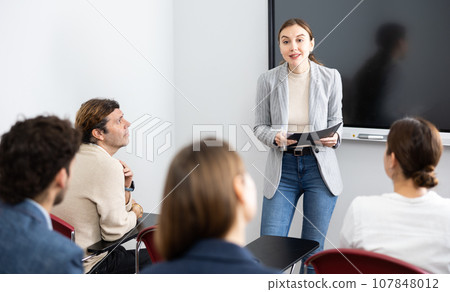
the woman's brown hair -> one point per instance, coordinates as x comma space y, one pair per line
417, 146
305, 26
199, 199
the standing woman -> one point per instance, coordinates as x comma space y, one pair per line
300, 95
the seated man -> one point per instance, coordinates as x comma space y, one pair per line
35, 165
98, 201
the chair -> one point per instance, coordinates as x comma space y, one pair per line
356, 261
146, 236
63, 227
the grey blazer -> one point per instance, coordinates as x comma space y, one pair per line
271, 116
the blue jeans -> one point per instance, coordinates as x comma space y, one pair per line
299, 175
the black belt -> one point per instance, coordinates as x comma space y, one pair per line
300, 151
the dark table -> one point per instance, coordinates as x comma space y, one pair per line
281, 252
147, 220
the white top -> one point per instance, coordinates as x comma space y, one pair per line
299, 102
415, 230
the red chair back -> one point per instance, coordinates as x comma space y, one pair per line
146, 236
356, 261
63, 227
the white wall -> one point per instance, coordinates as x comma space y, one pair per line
220, 50
54, 55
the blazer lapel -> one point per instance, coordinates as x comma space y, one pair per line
30, 210
313, 88
283, 95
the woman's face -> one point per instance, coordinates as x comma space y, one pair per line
295, 45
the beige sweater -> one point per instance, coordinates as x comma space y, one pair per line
95, 200
299, 102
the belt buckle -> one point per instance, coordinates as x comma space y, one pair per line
298, 152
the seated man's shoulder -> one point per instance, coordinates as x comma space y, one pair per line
41, 250
54, 253
53, 243
92, 152
92, 158
62, 247
60, 254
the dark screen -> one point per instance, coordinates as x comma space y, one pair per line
393, 55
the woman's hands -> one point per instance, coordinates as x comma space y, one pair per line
281, 140
330, 141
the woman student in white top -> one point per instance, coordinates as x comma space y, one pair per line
412, 223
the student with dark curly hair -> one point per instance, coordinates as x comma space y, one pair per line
35, 164
412, 223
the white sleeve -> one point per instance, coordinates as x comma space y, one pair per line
348, 231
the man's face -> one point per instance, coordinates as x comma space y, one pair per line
117, 130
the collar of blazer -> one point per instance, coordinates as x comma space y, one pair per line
26, 208
284, 100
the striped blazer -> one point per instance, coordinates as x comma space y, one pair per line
271, 116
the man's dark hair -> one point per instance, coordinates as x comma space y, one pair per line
32, 153
93, 115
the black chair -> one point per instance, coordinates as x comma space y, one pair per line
281, 252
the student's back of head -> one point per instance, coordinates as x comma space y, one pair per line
208, 200
200, 197
32, 153
417, 146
